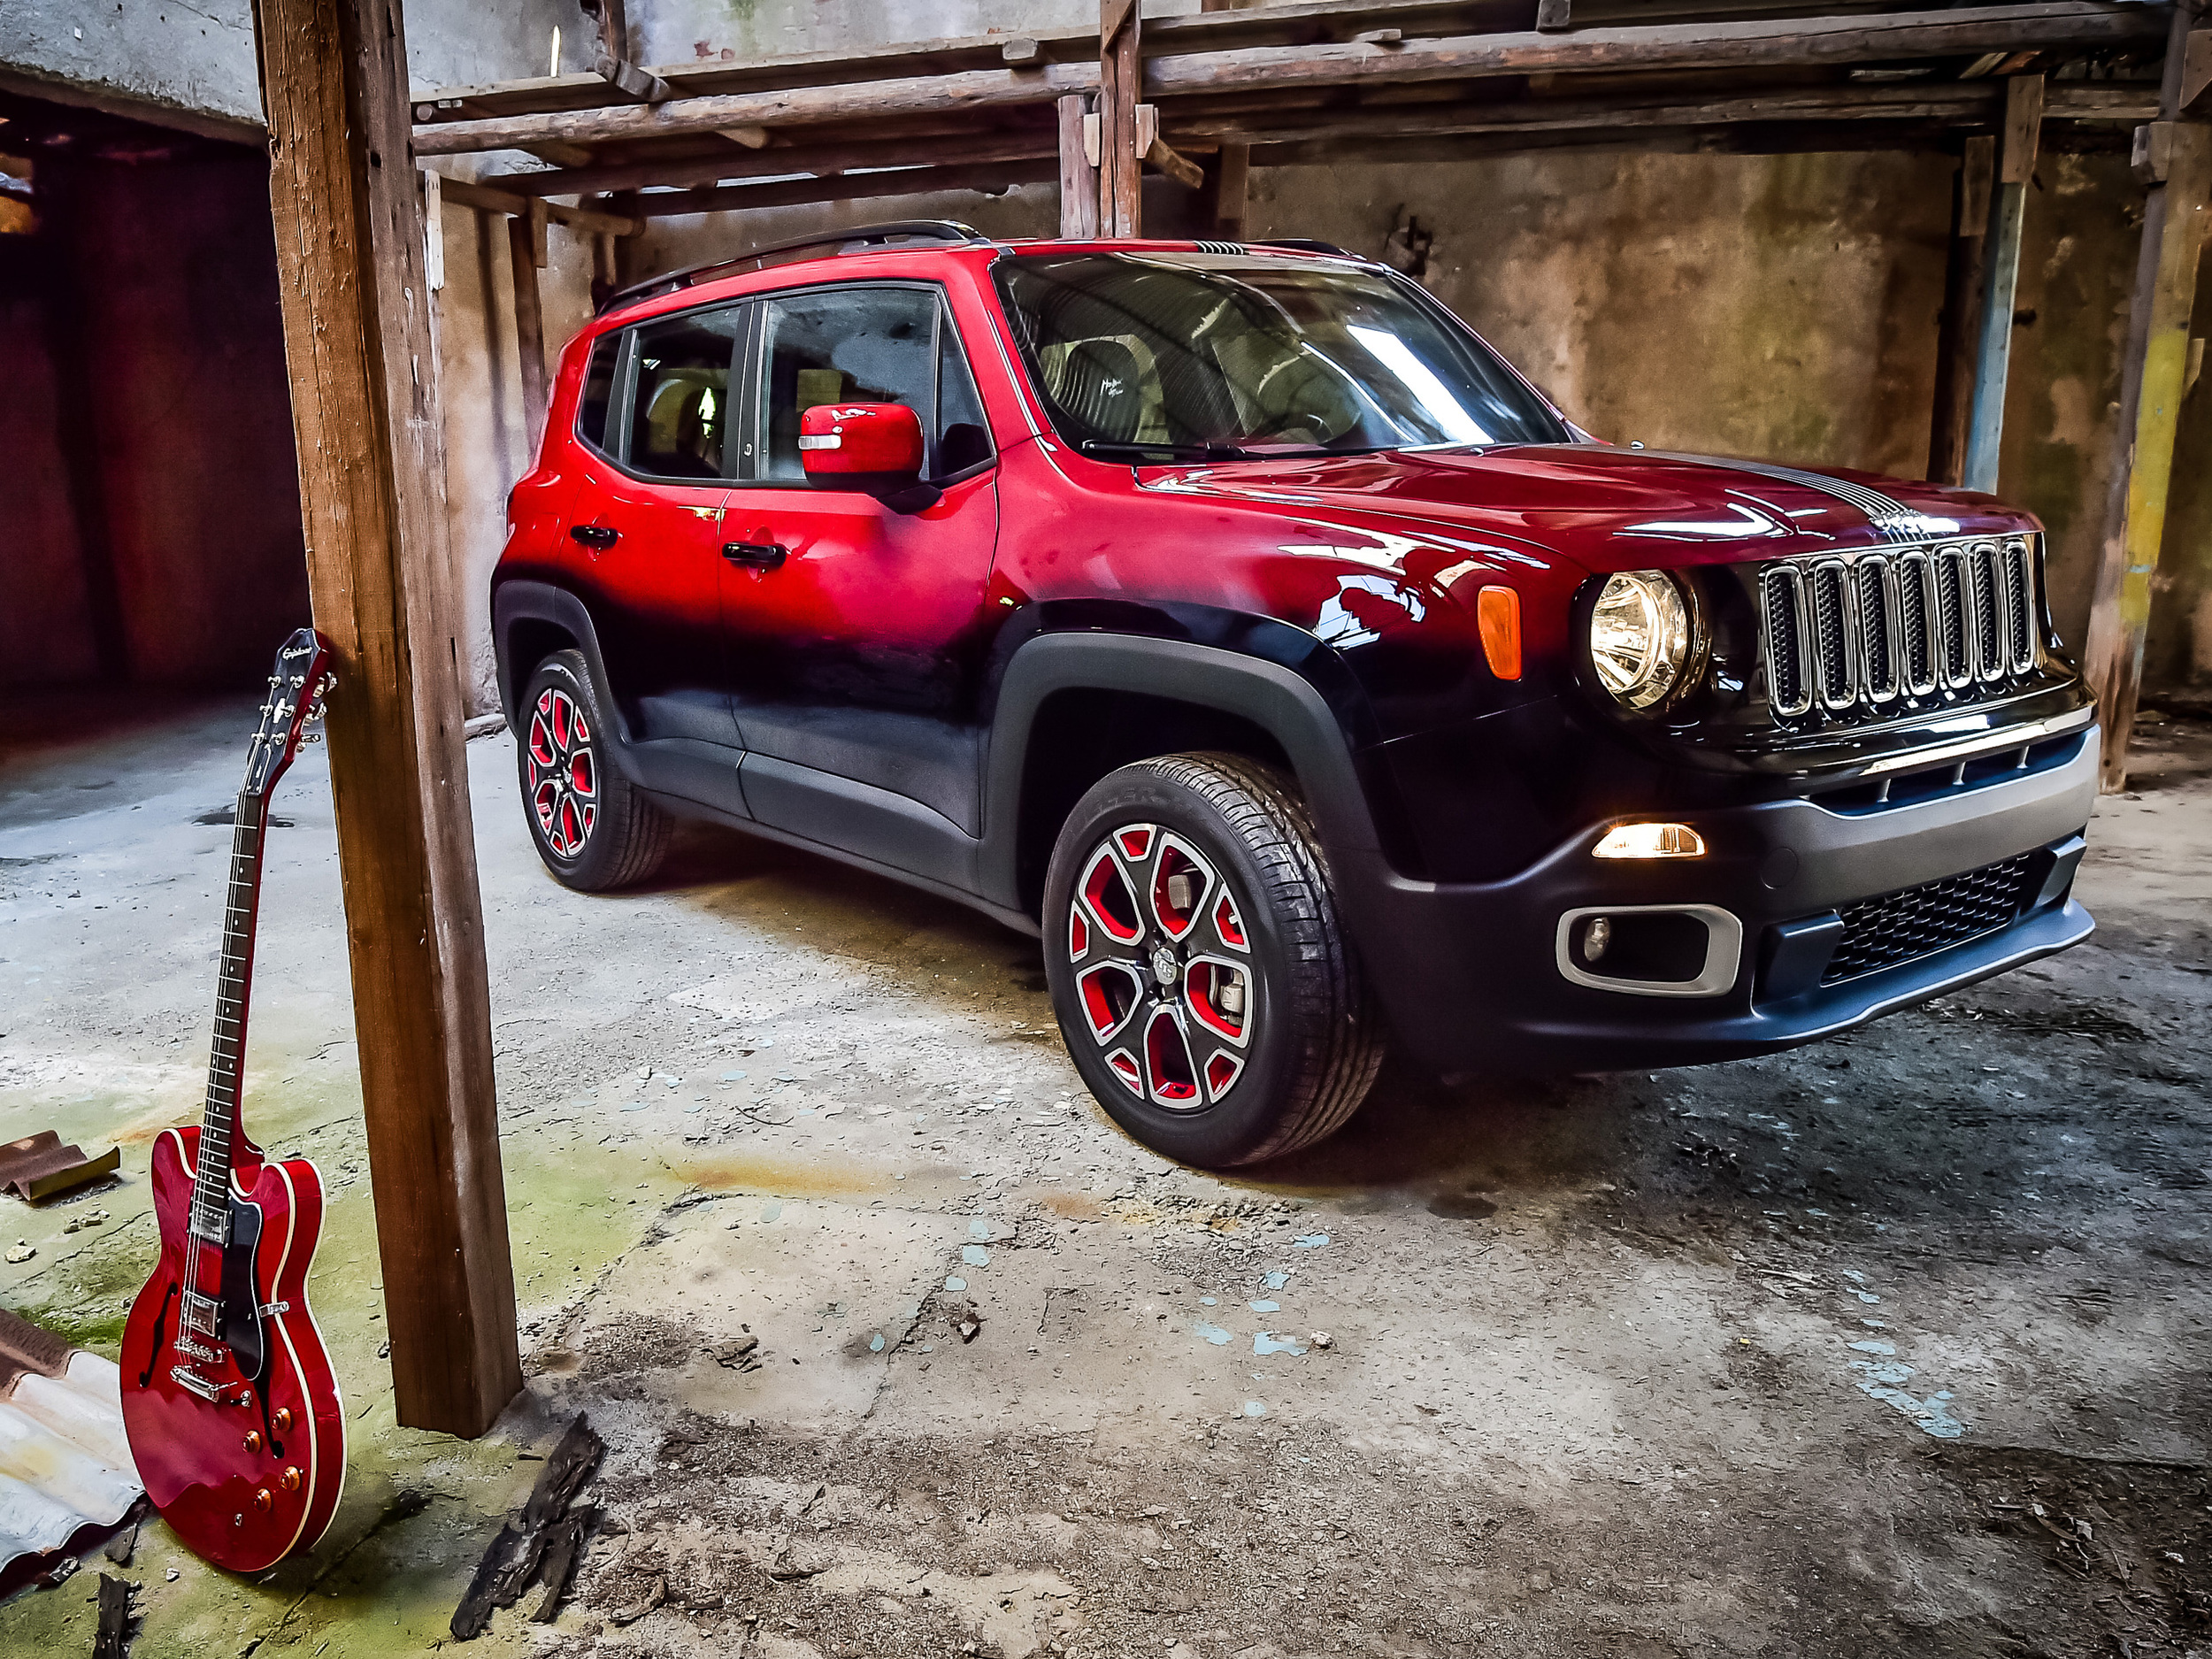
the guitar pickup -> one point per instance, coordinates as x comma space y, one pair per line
213, 1230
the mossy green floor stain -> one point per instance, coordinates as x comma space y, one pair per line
418, 1509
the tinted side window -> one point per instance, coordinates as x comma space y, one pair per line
680, 421
591, 409
842, 346
963, 437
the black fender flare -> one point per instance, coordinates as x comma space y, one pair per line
1276, 699
519, 600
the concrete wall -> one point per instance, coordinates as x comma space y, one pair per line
193, 66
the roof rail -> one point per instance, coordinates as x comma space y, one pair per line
944, 230
1307, 245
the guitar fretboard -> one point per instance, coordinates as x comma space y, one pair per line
218, 1117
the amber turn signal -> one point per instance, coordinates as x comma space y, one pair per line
1498, 615
1650, 840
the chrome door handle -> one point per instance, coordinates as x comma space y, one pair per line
763, 555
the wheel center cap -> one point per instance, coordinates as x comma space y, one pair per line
1164, 967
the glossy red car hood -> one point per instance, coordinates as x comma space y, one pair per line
1607, 508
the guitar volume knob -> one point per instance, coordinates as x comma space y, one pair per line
291, 1480
262, 1500
284, 1420
253, 1440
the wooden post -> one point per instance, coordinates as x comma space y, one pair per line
523, 243
2174, 157
2008, 214
1232, 175
1079, 179
1958, 335
614, 30
359, 352
1120, 71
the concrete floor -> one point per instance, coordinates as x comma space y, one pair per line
1895, 1344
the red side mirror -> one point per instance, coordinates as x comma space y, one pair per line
875, 447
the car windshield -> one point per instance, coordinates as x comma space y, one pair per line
1221, 355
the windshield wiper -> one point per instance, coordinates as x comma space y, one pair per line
1173, 451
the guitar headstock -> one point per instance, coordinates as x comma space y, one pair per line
297, 686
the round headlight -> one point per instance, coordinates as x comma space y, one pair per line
1640, 636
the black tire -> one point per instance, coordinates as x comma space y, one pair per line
613, 836
1311, 1038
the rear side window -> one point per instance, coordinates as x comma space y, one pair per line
591, 409
680, 421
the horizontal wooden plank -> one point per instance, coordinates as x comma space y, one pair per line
463, 193
1816, 41
1302, 22
1895, 37
731, 163
848, 187
1952, 103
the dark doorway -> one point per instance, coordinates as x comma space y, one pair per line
148, 488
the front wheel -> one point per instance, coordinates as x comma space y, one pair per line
1202, 978
594, 829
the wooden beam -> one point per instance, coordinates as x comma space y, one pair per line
1120, 78
1078, 178
522, 250
2008, 211
1801, 41
614, 30
1233, 174
725, 165
848, 187
361, 356
2153, 375
1155, 152
483, 197
1958, 330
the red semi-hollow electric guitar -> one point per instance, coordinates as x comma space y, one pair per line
229, 1394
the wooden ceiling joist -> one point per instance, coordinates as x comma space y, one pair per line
2064, 25
736, 164
1973, 103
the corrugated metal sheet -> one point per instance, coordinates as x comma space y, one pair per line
65, 1468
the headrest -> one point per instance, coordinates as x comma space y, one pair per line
1103, 386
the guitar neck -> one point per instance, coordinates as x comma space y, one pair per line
219, 1115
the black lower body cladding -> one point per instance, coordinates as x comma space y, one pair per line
1821, 911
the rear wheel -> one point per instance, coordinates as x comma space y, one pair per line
594, 829
1204, 982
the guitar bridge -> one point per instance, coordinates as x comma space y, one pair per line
186, 1379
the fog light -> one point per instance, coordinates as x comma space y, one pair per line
1650, 840
1597, 933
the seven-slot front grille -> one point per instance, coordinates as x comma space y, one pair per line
1845, 638
1894, 928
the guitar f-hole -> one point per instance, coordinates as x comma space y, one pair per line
161, 1324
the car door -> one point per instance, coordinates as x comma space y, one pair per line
856, 662
649, 522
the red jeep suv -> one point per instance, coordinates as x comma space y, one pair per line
1232, 617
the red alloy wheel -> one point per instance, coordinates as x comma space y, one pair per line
1162, 968
563, 783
